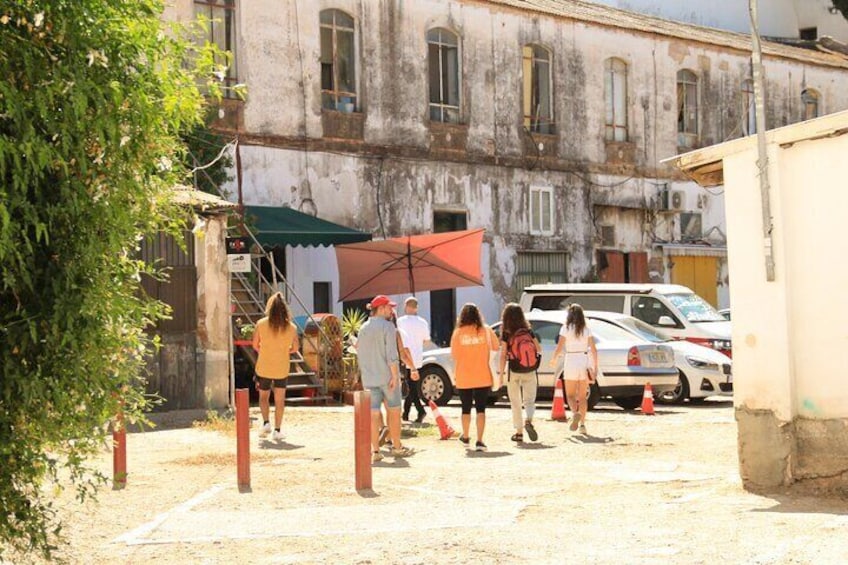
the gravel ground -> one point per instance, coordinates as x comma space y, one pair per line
638, 489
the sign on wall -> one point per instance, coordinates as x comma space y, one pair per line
238, 254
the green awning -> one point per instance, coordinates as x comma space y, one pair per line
275, 225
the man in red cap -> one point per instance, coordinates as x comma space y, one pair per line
377, 349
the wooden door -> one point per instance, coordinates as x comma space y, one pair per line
697, 273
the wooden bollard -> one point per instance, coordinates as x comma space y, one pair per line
362, 438
243, 438
119, 452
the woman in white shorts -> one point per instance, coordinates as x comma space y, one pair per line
581, 363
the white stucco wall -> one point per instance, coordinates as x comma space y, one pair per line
790, 336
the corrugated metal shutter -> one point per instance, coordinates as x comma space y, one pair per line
537, 267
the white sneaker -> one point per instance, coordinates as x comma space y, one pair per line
265, 430
278, 436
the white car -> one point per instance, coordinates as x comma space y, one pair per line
703, 371
626, 362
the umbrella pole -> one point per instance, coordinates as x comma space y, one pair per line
409, 265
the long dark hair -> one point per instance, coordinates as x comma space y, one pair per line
512, 320
575, 319
470, 316
277, 312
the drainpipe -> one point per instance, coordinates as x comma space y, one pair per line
762, 159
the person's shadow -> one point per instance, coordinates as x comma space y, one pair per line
486, 454
590, 439
278, 445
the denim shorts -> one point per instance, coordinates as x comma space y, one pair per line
378, 393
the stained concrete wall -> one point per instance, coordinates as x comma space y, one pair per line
294, 153
789, 335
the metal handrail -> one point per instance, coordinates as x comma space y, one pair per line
277, 274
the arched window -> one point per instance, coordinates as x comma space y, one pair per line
443, 59
810, 97
687, 108
538, 99
615, 91
338, 61
749, 108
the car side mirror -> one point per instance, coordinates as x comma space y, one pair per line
666, 322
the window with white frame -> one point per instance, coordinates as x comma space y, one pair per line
443, 59
810, 98
338, 61
687, 108
538, 89
541, 210
615, 90
749, 108
219, 24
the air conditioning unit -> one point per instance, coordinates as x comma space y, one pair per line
677, 200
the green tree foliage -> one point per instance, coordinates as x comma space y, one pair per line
94, 95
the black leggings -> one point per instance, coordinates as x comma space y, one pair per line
480, 396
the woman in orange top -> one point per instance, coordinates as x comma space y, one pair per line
472, 344
275, 338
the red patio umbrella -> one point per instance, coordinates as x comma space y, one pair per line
409, 264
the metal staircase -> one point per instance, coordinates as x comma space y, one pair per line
248, 294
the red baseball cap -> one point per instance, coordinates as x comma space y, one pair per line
381, 300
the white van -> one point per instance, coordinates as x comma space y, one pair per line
674, 308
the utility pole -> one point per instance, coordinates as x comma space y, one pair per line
762, 159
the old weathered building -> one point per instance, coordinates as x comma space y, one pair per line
542, 121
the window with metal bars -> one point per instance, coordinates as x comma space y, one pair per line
537, 267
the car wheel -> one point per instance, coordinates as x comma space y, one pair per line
435, 385
594, 395
628, 402
678, 395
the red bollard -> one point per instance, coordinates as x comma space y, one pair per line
362, 438
243, 439
119, 452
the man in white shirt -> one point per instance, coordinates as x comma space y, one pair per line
418, 331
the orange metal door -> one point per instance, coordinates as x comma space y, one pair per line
697, 273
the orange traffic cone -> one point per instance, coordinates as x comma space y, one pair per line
445, 429
558, 408
648, 400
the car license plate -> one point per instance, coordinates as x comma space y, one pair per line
656, 357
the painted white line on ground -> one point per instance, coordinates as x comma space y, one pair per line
131, 537
265, 523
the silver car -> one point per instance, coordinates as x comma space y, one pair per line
703, 370
626, 363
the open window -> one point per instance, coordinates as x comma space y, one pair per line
338, 61
538, 87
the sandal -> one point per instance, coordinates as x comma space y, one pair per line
518, 438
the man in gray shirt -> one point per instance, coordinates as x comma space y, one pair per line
377, 348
